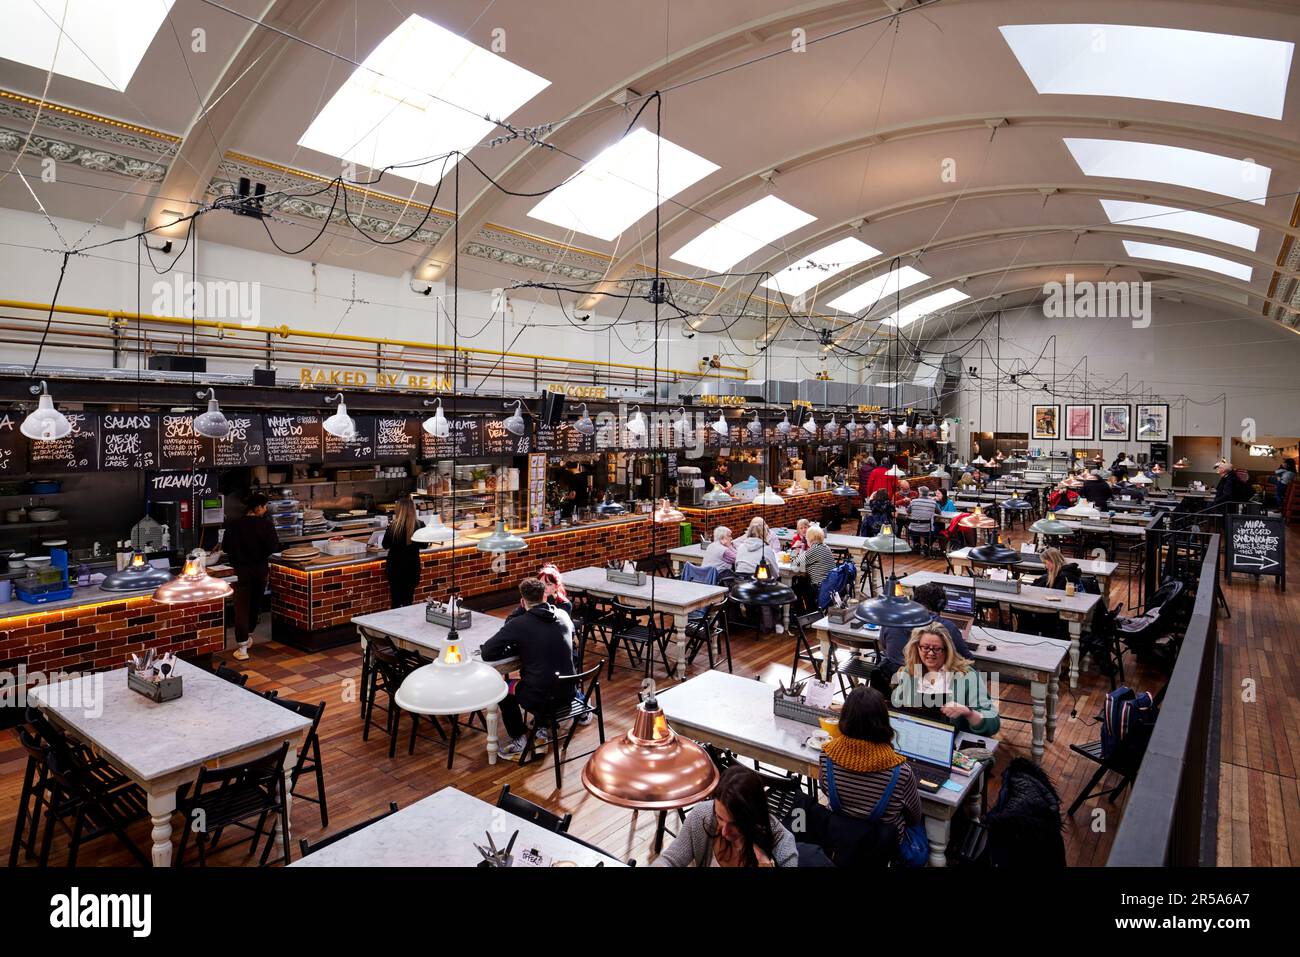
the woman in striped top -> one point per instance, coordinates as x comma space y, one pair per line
862, 761
815, 563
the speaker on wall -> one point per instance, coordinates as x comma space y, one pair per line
552, 408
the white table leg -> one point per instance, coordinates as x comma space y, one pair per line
679, 623
1038, 694
826, 652
492, 734
1053, 696
162, 804
1076, 632
938, 830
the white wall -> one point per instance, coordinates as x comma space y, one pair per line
1214, 369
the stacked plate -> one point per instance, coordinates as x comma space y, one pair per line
300, 553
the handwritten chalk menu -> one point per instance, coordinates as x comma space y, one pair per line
1255, 545
291, 439
243, 445
397, 438
179, 446
360, 448
498, 440
128, 440
78, 451
180, 486
464, 438
12, 459
563, 438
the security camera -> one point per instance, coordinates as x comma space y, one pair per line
421, 288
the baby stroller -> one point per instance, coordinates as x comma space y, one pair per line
1154, 635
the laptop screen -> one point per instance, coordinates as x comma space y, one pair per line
961, 600
921, 739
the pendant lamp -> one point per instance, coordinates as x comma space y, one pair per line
765, 588
609, 506
1051, 525
979, 460
768, 497
667, 514
939, 472
995, 553
844, 489
871, 427
584, 425
432, 531
1141, 479
650, 767
636, 422
454, 683
851, 426
1182, 463
893, 608
213, 423
193, 584
977, 519
1082, 509
46, 423
896, 472
810, 424
515, 423
755, 426
903, 429
831, 428
717, 497
888, 427
887, 543
340, 424
784, 425
436, 424
137, 576
501, 541
721, 426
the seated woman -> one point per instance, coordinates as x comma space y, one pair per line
813, 565
1054, 562
556, 596
880, 512
800, 540
720, 554
734, 829
861, 761
750, 551
933, 674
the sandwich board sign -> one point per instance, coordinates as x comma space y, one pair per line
1256, 545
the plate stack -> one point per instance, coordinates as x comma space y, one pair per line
313, 521
300, 553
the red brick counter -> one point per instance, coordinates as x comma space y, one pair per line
314, 608
103, 632
737, 517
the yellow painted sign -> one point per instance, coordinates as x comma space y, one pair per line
869, 408
800, 403
578, 391
728, 400
382, 380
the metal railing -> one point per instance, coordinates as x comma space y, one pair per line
1171, 815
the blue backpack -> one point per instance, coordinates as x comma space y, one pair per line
1126, 713
838, 582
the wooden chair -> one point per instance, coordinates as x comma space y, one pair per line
567, 707
305, 848
526, 809
229, 797
308, 754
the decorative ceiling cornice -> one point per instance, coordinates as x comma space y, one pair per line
87, 157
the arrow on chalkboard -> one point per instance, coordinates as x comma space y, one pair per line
1262, 562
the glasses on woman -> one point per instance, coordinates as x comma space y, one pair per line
931, 651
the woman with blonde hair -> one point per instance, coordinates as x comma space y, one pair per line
933, 672
403, 560
1054, 561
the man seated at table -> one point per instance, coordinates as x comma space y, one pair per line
540, 639
903, 497
720, 554
895, 637
1097, 490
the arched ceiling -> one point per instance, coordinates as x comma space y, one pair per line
909, 125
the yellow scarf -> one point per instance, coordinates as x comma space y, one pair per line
854, 754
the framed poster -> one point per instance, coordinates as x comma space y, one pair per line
1115, 424
1079, 424
1152, 422
1047, 422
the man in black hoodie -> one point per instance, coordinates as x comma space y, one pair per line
1097, 491
539, 638
1233, 486
248, 542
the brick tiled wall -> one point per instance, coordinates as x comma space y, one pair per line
102, 636
329, 597
737, 517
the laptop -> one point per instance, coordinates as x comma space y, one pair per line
961, 600
927, 744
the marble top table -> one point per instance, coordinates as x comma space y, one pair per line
441, 831
1075, 610
1114, 528
732, 712
162, 746
408, 628
1029, 658
1033, 562
677, 598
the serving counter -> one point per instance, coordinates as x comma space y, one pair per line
737, 517
96, 630
313, 603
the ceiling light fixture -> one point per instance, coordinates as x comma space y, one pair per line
340, 424
213, 423
515, 423
436, 424
584, 425
46, 423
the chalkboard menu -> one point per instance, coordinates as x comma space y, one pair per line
360, 448
293, 439
78, 451
179, 447
12, 459
243, 445
498, 440
397, 438
180, 486
563, 438
464, 439
128, 440
1256, 545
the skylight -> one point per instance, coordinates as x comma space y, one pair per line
420, 94
102, 43
1151, 216
880, 289
822, 265
1189, 257
1216, 70
617, 188
1124, 159
726, 243
924, 307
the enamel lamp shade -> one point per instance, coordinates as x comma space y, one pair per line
1051, 525
666, 514
844, 489
650, 767
893, 608
193, 584
718, 496
887, 543
995, 553
137, 576
46, 423
436, 424
213, 423
1140, 479
584, 425
454, 683
501, 541
610, 507
896, 472
768, 497
432, 531
340, 424
721, 427
977, 519
765, 588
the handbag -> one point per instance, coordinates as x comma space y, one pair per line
914, 845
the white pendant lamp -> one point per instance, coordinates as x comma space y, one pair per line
1140, 479
768, 497
784, 425
831, 425
454, 683
902, 428
721, 426
432, 531
436, 424
213, 423
979, 460
46, 423
810, 424
636, 422
755, 426
340, 424
515, 423
888, 427
896, 472
584, 425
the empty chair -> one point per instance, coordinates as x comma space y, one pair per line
308, 754
641, 632
526, 809
229, 797
306, 848
229, 674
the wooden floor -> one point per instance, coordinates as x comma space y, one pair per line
1260, 813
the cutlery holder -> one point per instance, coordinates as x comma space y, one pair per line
164, 689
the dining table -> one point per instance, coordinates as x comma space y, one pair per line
161, 746
694, 555
1032, 562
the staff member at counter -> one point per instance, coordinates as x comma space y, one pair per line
249, 541
402, 563
721, 475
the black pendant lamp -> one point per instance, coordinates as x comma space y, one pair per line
765, 588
